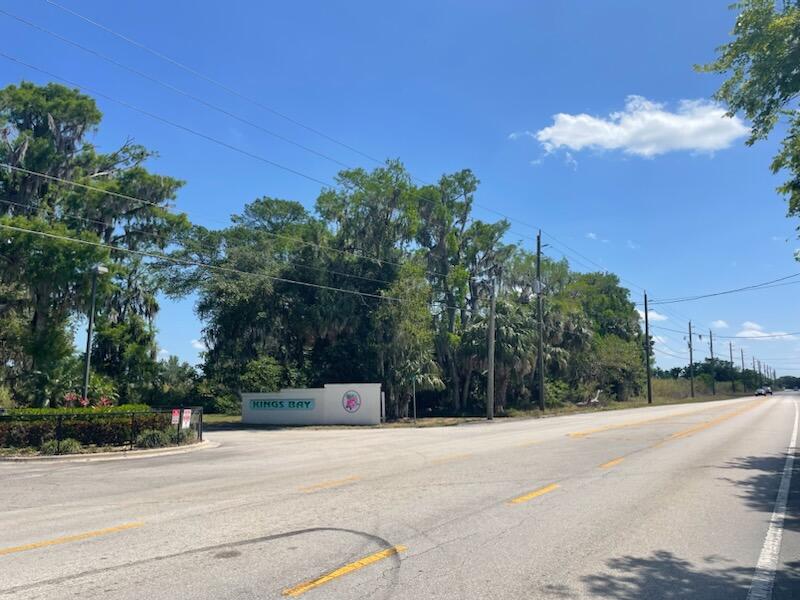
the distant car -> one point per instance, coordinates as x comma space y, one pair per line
761, 392
768, 390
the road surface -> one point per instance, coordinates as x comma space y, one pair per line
661, 502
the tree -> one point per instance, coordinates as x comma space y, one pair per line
763, 80
46, 129
404, 339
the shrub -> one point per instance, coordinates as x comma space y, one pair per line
188, 436
6, 401
67, 446
153, 438
122, 408
101, 427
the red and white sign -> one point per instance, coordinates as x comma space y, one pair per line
187, 417
176, 416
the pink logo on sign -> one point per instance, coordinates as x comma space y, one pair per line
351, 401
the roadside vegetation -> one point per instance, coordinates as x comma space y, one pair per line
385, 280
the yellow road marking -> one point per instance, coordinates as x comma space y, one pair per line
534, 494
612, 463
69, 538
348, 568
585, 432
328, 484
452, 457
708, 424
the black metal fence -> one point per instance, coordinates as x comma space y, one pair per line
101, 428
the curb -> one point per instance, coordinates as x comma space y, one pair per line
118, 455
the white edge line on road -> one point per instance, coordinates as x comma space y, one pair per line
764, 576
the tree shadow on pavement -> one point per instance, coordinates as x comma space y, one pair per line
665, 576
760, 490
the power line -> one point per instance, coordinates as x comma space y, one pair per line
173, 88
192, 263
722, 293
226, 112
171, 123
211, 80
230, 90
202, 135
669, 353
169, 241
165, 208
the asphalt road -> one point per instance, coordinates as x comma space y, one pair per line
662, 502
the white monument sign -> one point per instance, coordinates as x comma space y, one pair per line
335, 404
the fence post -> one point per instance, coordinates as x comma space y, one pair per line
133, 428
58, 433
200, 426
178, 426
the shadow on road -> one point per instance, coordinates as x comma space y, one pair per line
666, 576
759, 490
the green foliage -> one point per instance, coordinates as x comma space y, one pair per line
263, 374
45, 279
66, 446
153, 438
557, 393
6, 401
764, 82
31, 429
419, 265
95, 410
188, 436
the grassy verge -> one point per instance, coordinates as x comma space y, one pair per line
213, 419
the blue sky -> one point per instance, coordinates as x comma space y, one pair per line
639, 173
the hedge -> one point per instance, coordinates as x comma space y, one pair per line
93, 410
89, 427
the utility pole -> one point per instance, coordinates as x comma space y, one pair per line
647, 351
760, 375
733, 369
713, 366
540, 318
691, 361
490, 382
744, 385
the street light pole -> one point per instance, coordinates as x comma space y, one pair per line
97, 270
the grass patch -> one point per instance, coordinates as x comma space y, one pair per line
213, 419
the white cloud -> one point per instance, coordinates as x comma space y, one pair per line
591, 236
163, 352
632, 245
199, 345
719, 324
755, 331
570, 161
659, 339
652, 315
644, 128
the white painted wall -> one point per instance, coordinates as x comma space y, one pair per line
335, 404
